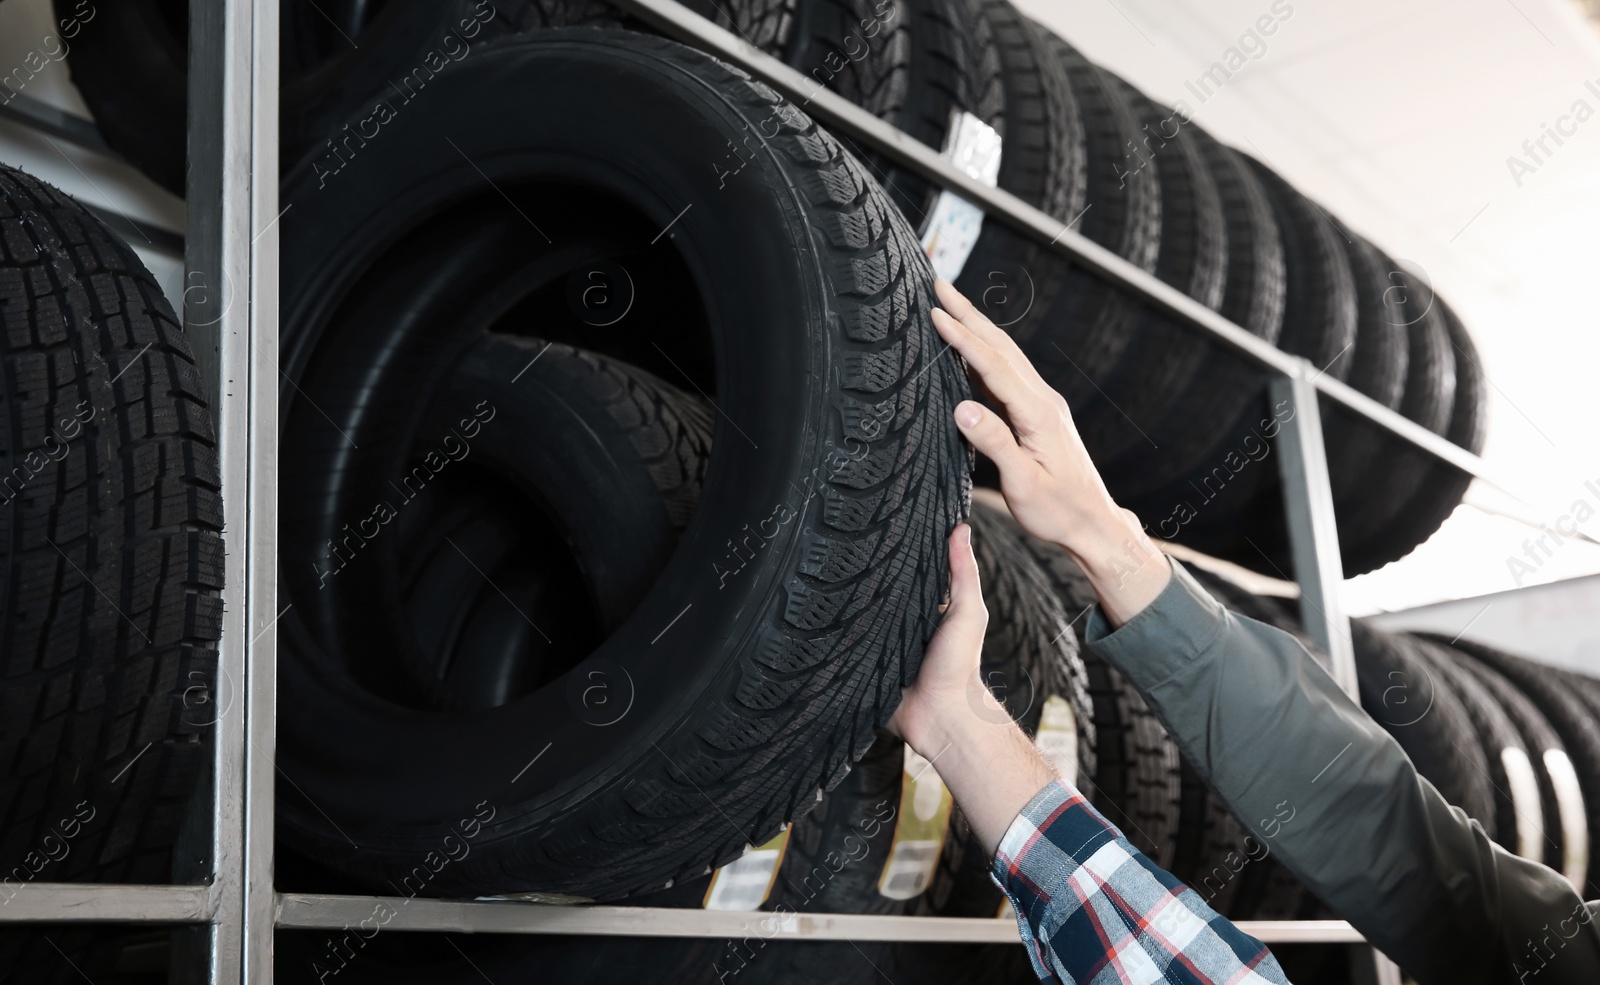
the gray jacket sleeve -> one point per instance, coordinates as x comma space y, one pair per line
1336, 800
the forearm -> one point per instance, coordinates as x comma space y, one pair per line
1326, 790
986, 761
1125, 567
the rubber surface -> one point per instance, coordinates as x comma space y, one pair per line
110, 556
770, 664
1496, 733
1417, 706
1573, 721
1538, 737
835, 859
1084, 348
1011, 278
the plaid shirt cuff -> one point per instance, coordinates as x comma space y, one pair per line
1092, 909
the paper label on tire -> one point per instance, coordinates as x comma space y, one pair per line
919, 831
746, 882
1057, 737
953, 224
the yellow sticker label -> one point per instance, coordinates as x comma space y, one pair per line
919, 831
1057, 738
746, 882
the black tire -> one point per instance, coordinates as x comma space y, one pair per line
1243, 521
358, 956
1413, 703
1086, 347
752, 701
834, 862
1012, 278
1225, 389
918, 61
1441, 487
1572, 720
1378, 363
1561, 808
111, 559
1029, 655
491, 604
1193, 257
1519, 826
131, 67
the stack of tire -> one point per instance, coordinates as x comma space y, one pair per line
1180, 426
535, 628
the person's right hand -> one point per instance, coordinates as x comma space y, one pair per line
1049, 482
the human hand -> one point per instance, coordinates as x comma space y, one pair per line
949, 672
1049, 482
954, 722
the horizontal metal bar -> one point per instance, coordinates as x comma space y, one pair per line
87, 902
312, 911
850, 119
56, 122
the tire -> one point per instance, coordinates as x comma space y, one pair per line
1519, 815
1225, 389
1244, 522
1013, 279
1572, 720
916, 69
1378, 363
131, 67
1029, 656
755, 695
854, 827
111, 559
462, 574
1400, 690
1561, 807
1086, 348
1441, 487
1193, 257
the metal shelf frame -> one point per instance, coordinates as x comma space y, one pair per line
231, 250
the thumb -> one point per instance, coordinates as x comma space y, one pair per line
966, 607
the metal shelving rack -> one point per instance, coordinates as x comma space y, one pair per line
232, 249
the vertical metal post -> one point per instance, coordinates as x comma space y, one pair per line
230, 311
1313, 534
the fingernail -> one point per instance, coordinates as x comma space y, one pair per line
966, 534
968, 413
939, 311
